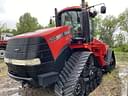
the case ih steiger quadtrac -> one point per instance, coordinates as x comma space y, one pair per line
63, 61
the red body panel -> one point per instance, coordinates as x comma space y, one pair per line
57, 45
3, 42
97, 47
73, 7
40, 33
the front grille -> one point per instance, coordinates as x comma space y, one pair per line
29, 48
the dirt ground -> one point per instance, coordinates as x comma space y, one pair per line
110, 86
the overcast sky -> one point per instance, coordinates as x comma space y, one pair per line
11, 10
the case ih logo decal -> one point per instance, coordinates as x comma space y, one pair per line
59, 36
16, 50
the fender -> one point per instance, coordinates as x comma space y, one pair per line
52, 77
64, 54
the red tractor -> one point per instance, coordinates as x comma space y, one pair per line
3, 42
65, 59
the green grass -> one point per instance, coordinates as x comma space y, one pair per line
121, 56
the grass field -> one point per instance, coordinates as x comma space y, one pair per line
121, 58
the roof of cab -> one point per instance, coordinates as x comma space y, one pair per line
70, 8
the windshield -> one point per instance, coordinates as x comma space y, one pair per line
71, 18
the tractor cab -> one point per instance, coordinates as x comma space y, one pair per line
80, 19
71, 16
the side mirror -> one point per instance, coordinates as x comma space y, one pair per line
103, 9
93, 14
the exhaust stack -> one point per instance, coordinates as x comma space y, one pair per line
85, 27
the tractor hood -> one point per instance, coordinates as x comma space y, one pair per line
46, 33
32, 54
34, 44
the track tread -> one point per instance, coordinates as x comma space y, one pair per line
71, 73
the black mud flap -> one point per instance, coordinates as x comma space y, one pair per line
108, 56
47, 79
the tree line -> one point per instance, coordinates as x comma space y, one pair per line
104, 28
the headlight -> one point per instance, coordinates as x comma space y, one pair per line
28, 62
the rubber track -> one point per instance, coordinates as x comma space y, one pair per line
70, 74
